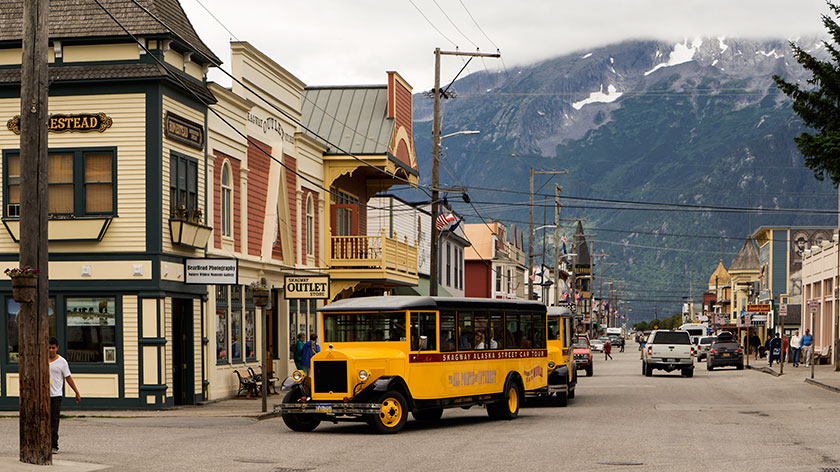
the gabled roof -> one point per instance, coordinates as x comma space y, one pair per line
355, 119
747, 258
85, 19
580, 247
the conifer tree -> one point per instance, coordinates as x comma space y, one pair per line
819, 107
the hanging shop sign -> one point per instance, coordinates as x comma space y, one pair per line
74, 123
759, 308
178, 128
313, 287
211, 271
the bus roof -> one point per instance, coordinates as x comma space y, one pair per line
400, 303
559, 311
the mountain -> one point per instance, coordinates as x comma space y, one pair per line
699, 122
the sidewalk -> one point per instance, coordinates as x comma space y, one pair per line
230, 408
824, 375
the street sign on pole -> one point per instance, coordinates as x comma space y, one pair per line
783, 309
813, 306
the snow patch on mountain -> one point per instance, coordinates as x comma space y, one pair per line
599, 97
682, 53
587, 56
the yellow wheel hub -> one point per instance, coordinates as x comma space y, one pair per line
391, 412
513, 399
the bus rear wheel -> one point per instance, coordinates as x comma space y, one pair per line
393, 413
303, 423
508, 408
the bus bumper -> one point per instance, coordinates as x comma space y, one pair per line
331, 409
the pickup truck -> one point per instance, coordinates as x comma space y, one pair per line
668, 350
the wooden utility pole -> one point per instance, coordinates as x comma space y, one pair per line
438, 94
556, 245
33, 327
531, 224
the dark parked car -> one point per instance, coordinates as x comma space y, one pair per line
725, 351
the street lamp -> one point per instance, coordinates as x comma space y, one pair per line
433, 263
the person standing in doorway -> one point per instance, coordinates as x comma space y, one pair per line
807, 347
59, 372
795, 347
607, 350
298, 352
309, 350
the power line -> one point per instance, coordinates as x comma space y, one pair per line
453, 24
432, 24
477, 25
217, 20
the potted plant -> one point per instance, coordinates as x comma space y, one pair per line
24, 283
259, 292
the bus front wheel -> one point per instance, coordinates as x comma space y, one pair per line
299, 422
508, 408
393, 413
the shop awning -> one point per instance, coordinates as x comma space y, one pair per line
422, 289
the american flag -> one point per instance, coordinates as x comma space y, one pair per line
444, 221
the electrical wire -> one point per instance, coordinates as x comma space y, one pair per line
431, 24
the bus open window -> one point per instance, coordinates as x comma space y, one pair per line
497, 331
364, 327
447, 331
423, 325
466, 331
482, 327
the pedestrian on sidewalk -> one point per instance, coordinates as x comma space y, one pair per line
785, 346
775, 350
607, 350
59, 372
621, 344
298, 352
309, 350
795, 347
755, 344
807, 347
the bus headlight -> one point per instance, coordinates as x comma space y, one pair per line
551, 364
298, 375
363, 375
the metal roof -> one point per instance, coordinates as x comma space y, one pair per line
401, 303
85, 19
355, 119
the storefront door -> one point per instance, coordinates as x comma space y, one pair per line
183, 360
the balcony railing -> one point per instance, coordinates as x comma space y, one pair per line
373, 252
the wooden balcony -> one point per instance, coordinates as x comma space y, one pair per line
373, 258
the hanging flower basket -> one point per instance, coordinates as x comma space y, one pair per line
260, 297
24, 284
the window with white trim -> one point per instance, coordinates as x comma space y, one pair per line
310, 226
227, 200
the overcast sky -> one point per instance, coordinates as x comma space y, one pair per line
351, 42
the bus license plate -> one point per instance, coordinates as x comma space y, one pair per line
323, 408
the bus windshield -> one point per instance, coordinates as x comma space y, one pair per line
364, 327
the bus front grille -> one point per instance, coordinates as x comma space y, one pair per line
329, 376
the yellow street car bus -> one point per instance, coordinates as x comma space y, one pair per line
382, 357
562, 376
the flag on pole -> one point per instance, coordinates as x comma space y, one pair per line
444, 221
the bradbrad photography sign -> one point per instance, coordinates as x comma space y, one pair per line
211, 271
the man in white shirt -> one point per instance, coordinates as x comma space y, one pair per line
59, 372
796, 347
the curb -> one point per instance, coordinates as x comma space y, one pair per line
766, 370
822, 385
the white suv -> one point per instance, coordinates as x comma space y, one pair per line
668, 350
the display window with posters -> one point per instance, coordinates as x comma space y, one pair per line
221, 324
91, 328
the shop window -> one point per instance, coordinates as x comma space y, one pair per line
221, 324
183, 187
91, 329
12, 313
302, 320
250, 326
236, 323
81, 183
227, 200
423, 324
448, 265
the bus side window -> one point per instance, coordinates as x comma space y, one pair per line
466, 331
539, 331
447, 331
497, 331
513, 335
567, 332
482, 328
423, 324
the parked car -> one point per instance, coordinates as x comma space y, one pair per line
583, 355
668, 350
725, 351
703, 347
597, 345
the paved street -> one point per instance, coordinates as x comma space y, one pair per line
620, 420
